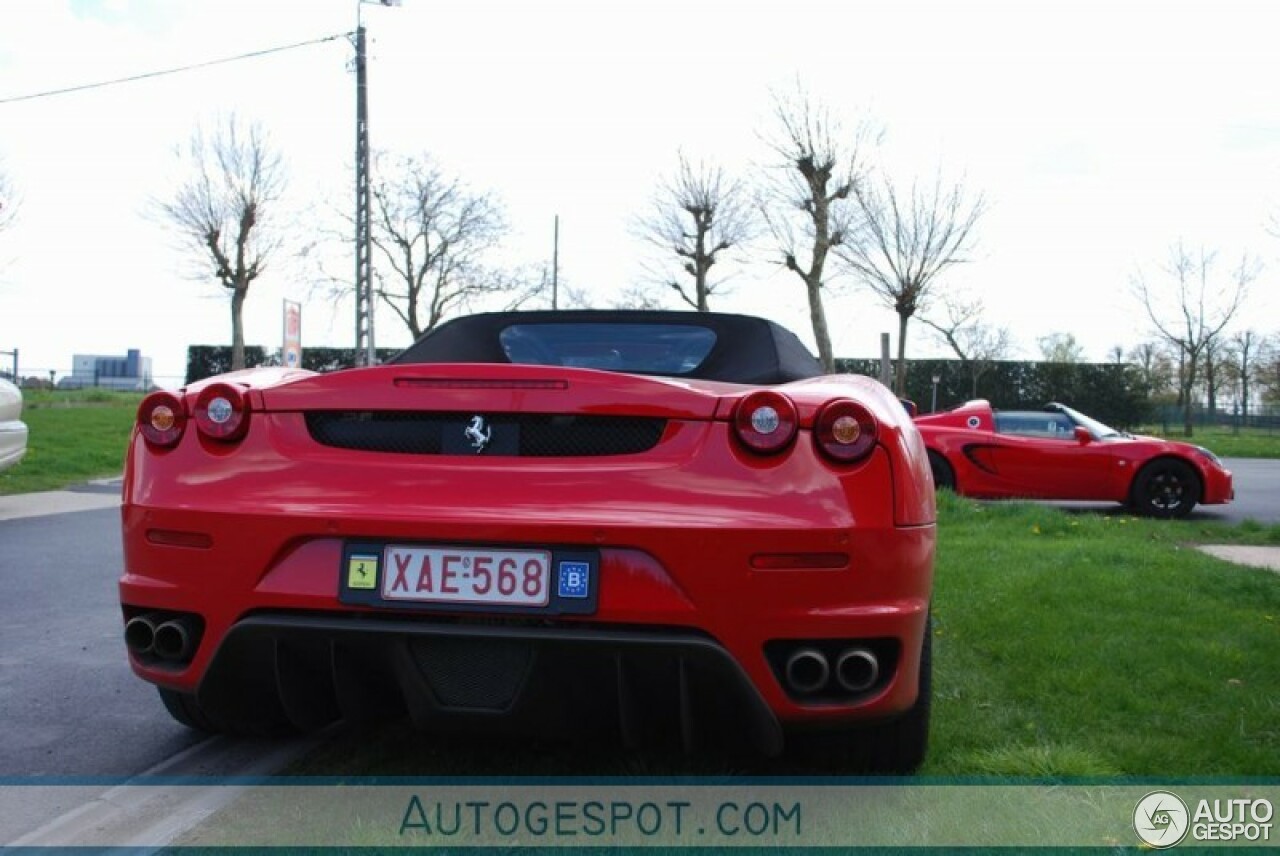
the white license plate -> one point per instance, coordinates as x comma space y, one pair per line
466, 575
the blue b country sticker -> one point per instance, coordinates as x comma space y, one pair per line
362, 572
575, 580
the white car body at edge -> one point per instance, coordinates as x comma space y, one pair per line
13, 433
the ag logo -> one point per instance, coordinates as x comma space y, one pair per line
1161, 819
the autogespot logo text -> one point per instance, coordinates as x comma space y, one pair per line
1160, 819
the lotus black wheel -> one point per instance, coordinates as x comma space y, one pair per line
943, 475
1166, 488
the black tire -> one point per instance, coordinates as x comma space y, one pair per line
251, 721
899, 746
184, 708
1165, 488
894, 747
943, 474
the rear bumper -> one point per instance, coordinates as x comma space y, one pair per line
634, 686
668, 585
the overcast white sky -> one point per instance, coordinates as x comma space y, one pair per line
1099, 132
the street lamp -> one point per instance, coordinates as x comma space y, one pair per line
933, 408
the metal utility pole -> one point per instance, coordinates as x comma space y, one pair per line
366, 355
555, 266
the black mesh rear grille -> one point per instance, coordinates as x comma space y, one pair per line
473, 673
538, 435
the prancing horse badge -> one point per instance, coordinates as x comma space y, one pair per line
479, 433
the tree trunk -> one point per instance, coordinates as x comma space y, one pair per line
237, 328
818, 315
900, 385
700, 269
1188, 387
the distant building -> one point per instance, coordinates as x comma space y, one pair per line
130, 372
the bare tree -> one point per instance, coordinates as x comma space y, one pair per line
634, 297
907, 243
979, 346
1155, 366
1267, 369
432, 235
223, 210
1240, 358
1213, 371
697, 216
1192, 308
807, 203
1060, 348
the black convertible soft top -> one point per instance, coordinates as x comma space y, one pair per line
705, 345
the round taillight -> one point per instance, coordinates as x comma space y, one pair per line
162, 419
845, 431
222, 412
766, 421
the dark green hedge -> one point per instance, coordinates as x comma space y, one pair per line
1113, 393
208, 360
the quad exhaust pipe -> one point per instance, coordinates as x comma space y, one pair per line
807, 671
857, 669
140, 633
173, 639
153, 635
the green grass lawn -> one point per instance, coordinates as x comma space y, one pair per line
1100, 644
1241, 443
73, 436
1066, 644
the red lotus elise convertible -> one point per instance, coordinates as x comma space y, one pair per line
1059, 453
649, 526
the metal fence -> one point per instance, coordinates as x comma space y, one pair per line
1263, 417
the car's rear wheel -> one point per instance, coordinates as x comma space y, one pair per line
187, 710
943, 474
896, 746
1166, 488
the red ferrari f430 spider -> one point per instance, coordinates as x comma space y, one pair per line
650, 526
1059, 453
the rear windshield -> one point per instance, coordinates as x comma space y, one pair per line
667, 349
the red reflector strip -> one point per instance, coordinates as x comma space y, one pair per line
799, 561
462, 383
174, 538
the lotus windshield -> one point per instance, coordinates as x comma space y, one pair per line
1096, 428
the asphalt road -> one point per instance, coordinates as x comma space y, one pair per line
1257, 484
70, 704
72, 711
